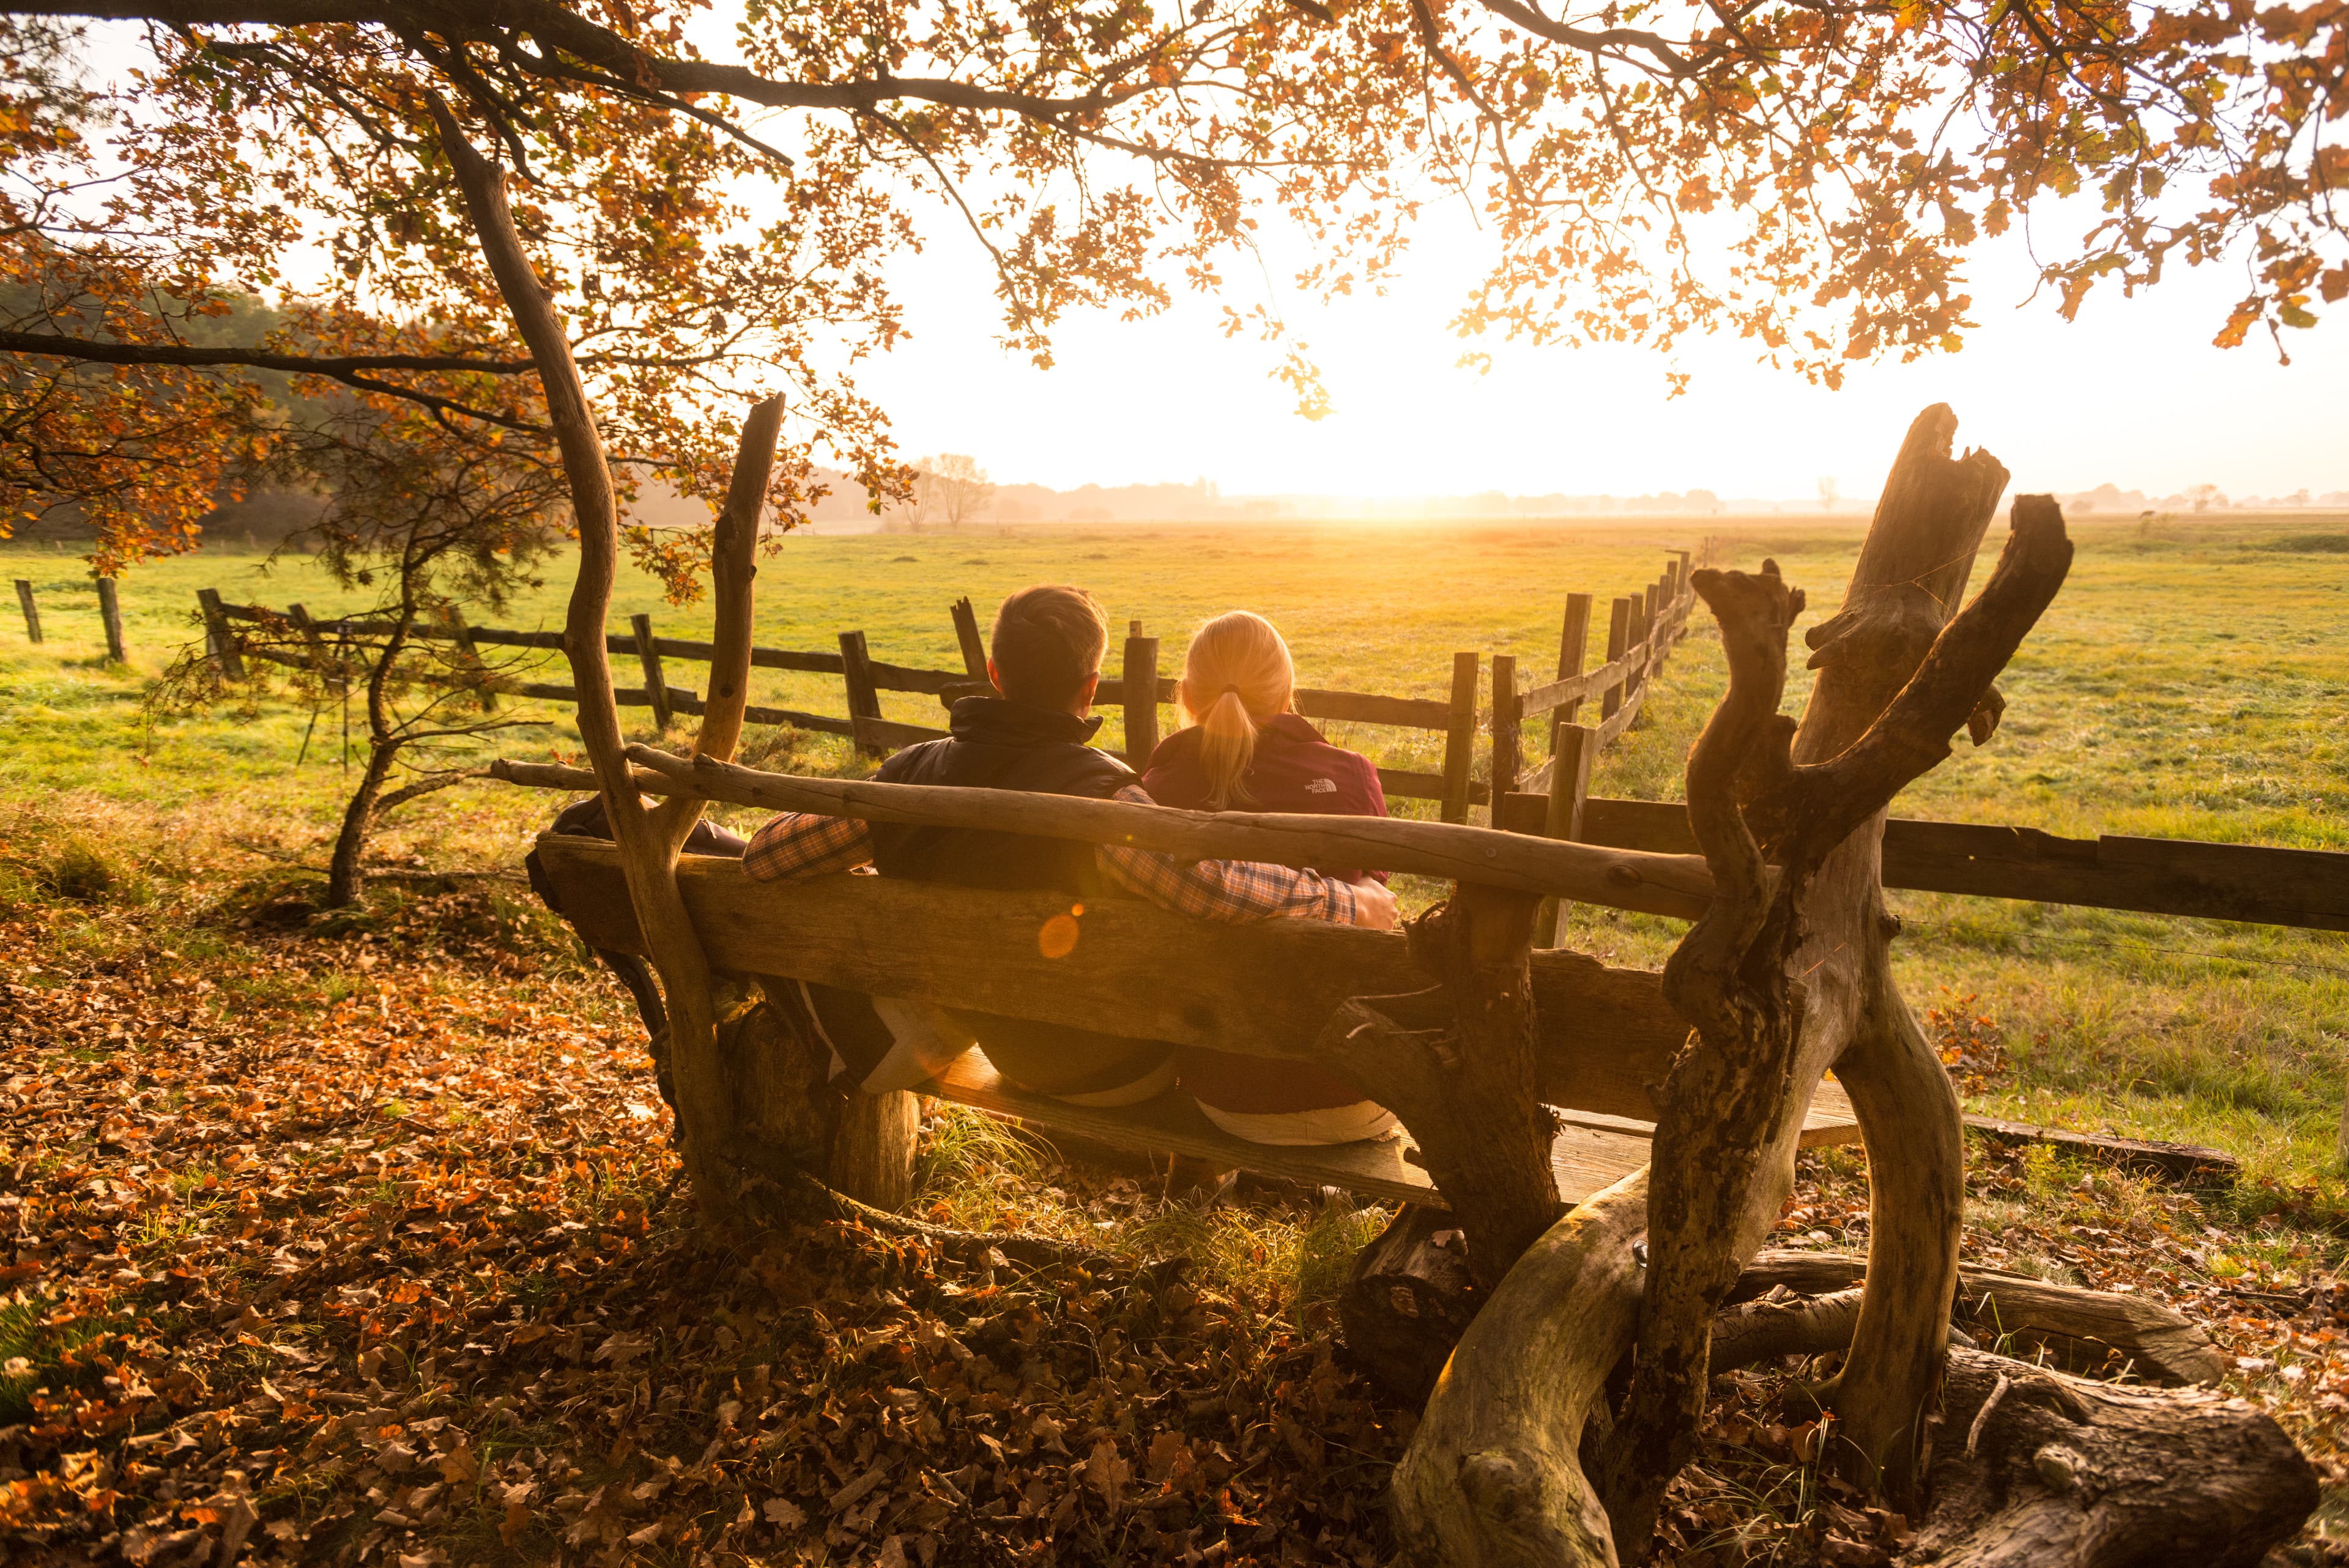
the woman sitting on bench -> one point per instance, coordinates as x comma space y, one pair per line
1246, 750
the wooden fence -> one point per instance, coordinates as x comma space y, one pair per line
109, 616
1641, 634
2307, 888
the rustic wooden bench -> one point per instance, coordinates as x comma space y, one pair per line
1605, 1032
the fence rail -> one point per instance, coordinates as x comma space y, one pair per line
1137, 689
2306, 889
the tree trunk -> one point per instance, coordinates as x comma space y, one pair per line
1790, 818
649, 837
1725, 1105
790, 1116
1911, 574
345, 880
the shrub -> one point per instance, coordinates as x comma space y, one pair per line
79, 872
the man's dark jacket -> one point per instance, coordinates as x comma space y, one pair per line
997, 743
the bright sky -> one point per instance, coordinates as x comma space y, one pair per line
2132, 393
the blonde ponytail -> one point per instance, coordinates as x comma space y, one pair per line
1236, 675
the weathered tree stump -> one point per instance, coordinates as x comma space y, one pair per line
2035, 1469
790, 1115
1408, 1299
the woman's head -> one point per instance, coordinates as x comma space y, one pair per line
1238, 675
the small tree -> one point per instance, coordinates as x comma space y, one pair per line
434, 517
951, 485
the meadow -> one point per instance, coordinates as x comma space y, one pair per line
2190, 681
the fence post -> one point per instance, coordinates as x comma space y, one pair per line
32, 612
1635, 637
463, 635
974, 647
656, 683
1459, 737
1141, 682
1570, 787
1507, 737
230, 662
864, 696
109, 611
1573, 642
1619, 639
330, 667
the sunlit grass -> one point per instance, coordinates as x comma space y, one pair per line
2189, 681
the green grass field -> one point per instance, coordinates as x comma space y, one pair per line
2192, 681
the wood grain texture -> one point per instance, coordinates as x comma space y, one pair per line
2253, 883
1263, 989
2070, 1473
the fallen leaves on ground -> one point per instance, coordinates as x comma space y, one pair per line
362, 1249
300, 1269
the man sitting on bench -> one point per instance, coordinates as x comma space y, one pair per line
1044, 660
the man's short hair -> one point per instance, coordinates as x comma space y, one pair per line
1048, 641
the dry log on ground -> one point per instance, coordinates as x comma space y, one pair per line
1409, 1297
2062, 1472
2086, 1331
2185, 1162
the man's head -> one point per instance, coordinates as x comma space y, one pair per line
1047, 646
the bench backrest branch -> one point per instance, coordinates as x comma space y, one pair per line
1674, 885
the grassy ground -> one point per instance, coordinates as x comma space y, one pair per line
2187, 682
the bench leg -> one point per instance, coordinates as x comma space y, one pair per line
1458, 1066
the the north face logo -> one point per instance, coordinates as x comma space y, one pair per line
1320, 786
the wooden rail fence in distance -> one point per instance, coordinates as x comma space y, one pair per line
1138, 689
2306, 889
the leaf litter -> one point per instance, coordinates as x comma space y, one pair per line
360, 1248
300, 1272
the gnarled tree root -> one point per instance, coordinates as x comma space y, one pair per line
2062, 1472
2033, 1467
1494, 1477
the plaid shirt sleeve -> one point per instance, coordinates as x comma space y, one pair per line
1237, 891
801, 844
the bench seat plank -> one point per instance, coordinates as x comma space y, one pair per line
1584, 1159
